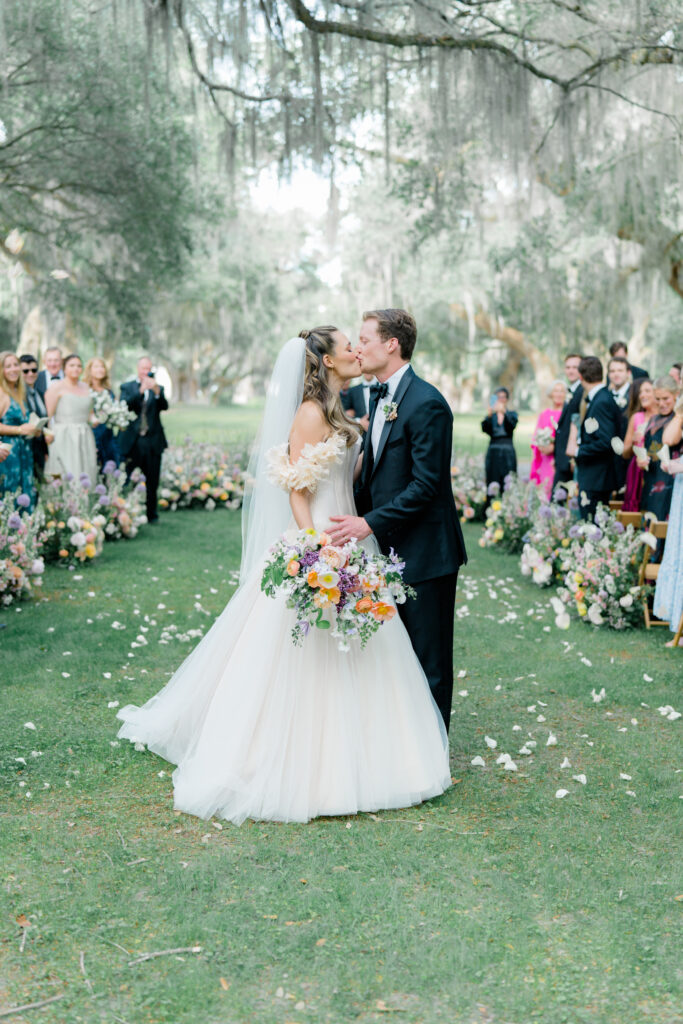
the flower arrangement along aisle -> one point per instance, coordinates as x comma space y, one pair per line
21, 539
123, 506
110, 412
600, 572
468, 480
346, 589
195, 475
545, 543
75, 528
509, 517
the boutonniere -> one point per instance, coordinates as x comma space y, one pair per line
390, 411
621, 401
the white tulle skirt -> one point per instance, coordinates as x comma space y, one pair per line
262, 729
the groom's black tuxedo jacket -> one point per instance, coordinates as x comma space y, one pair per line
404, 492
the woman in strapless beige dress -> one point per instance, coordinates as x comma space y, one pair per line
69, 403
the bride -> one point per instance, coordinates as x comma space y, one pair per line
260, 728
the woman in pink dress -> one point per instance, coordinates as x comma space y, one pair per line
543, 449
642, 406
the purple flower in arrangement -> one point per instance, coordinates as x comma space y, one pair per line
69, 477
596, 533
23, 500
574, 531
140, 488
100, 489
109, 467
493, 489
562, 512
545, 512
560, 494
619, 527
14, 521
116, 474
573, 504
104, 499
84, 481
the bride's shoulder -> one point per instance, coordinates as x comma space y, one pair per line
304, 466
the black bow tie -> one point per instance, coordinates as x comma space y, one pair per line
56, 377
379, 391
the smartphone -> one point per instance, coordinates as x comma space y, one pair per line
151, 373
493, 400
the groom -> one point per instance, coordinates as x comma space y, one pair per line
404, 492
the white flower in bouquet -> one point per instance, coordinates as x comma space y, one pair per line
111, 412
544, 436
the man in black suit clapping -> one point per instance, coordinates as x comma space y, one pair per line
143, 442
563, 469
599, 423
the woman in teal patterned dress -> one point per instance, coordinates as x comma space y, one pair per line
16, 470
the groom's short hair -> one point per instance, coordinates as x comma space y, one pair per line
590, 369
395, 323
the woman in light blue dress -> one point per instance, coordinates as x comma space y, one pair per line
668, 601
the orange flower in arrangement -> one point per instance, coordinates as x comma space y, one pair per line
364, 604
63, 553
333, 594
335, 558
293, 567
312, 578
321, 600
382, 612
324, 540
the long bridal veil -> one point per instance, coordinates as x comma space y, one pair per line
266, 511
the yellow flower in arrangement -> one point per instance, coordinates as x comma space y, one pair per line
60, 525
204, 486
496, 505
90, 550
51, 525
224, 496
489, 522
184, 487
163, 503
581, 609
328, 579
498, 534
565, 542
578, 577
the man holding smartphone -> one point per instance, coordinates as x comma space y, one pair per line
143, 442
499, 424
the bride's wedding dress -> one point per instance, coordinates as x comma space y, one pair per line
262, 729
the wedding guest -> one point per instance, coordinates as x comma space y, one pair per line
356, 402
144, 441
543, 461
676, 372
668, 599
598, 424
36, 404
16, 469
499, 423
657, 484
96, 376
620, 348
69, 402
53, 371
564, 471
641, 407
619, 375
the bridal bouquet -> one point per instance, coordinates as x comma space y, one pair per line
544, 436
345, 589
110, 412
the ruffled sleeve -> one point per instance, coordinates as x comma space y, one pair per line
314, 464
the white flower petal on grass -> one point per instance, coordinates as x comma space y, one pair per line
462, 673
587, 661
580, 778
629, 792
113, 704
107, 675
590, 424
617, 445
478, 762
597, 697
492, 744
647, 678
552, 740
561, 793
524, 750
463, 693
506, 762
562, 621
139, 746
29, 725
516, 728
623, 775
60, 275
566, 763
20, 760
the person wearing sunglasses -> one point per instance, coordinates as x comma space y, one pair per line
36, 404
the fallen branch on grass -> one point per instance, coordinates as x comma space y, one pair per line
87, 979
29, 1006
164, 952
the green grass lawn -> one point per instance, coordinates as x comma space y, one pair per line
236, 425
497, 902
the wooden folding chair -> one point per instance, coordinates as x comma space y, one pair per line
679, 633
633, 519
650, 570
615, 506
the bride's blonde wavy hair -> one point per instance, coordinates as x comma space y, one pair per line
319, 343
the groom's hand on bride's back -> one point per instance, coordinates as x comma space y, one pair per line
347, 527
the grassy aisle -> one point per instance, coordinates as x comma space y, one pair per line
496, 902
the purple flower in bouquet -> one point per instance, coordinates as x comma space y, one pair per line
14, 521
100, 489
104, 499
560, 494
23, 500
109, 467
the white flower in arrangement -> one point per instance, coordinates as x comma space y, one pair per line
617, 445
14, 242
594, 615
591, 424
626, 601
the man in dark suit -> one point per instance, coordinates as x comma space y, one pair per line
34, 400
619, 376
143, 442
53, 370
404, 493
563, 468
620, 348
600, 422
356, 401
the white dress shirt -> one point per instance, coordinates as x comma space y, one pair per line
593, 392
380, 418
